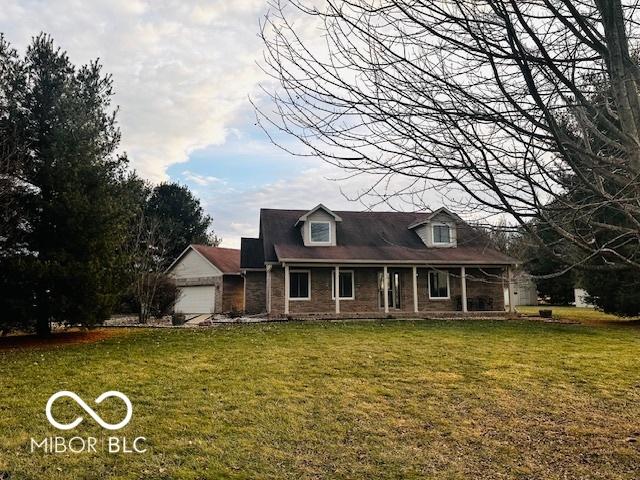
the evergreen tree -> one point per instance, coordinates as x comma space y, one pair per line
69, 266
180, 219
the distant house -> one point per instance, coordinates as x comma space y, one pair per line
581, 298
370, 263
209, 280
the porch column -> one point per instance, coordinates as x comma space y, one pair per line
463, 280
336, 286
415, 289
286, 289
385, 282
510, 281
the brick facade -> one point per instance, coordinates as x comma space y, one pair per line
485, 283
232, 293
255, 292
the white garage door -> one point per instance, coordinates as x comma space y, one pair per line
201, 299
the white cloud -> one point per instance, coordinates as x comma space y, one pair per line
201, 179
183, 70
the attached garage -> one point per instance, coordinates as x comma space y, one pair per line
197, 299
209, 280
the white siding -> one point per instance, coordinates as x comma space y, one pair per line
425, 232
192, 265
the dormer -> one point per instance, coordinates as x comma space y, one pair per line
318, 227
438, 229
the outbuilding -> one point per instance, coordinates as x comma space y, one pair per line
209, 280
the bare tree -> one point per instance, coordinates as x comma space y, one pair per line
147, 254
499, 102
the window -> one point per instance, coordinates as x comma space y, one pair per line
441, 234
320, 232
346, 285
438, 285
299, 285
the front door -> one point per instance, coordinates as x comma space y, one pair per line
393, 293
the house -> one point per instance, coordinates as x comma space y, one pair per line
209, 280
383, 263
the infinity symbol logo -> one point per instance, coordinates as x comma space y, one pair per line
89, 410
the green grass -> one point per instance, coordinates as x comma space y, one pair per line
574, 314
374, 400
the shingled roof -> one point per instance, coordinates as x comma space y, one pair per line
362, 237
251, 253
226, 259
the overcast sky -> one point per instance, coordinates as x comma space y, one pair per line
183, 73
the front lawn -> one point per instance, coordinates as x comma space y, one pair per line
573, 314
375, 400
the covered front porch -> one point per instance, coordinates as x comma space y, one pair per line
385, 290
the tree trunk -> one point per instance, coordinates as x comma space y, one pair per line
43, 324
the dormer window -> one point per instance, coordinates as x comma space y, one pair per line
318, 227
320, 232
441, 234
438, 229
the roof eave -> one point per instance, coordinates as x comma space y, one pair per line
397, 262
320, 206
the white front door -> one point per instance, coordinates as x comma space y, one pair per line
200, 299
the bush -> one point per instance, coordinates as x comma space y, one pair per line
618, 294
165, 297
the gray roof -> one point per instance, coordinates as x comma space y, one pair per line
365, 236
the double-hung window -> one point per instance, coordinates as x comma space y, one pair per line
299, 285
438, 285
441, 234
320, 232
346, 287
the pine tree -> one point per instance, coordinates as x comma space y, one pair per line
69, 267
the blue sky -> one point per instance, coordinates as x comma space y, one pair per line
184, 71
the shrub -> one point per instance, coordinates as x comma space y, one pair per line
617, 294
165, 298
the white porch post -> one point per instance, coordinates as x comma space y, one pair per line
385, 282
510, 281
463, 279
286, 289
415, 289
336, 287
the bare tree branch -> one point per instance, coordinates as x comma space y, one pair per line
525, 109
